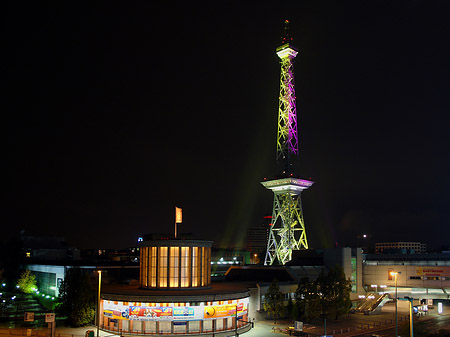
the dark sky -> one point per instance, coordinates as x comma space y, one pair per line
116, 112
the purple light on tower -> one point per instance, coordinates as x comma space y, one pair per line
287, 137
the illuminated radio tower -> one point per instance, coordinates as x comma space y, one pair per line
287, 230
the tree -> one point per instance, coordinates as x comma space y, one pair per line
307, 300
273, 303
12, 258
338, 292
27, 282
292, 310
77, 298
328, 295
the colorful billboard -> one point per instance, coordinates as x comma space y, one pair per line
151, 313
116, 310
433, 271
226, 310
183, 313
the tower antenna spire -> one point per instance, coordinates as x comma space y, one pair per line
287, 231
286, 38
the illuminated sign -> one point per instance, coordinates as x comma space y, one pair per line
151, 313
227, 310
116, 310
183, 312
427, 271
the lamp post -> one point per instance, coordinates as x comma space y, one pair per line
98, 301
395, 274
411, 319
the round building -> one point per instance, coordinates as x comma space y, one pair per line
175, 295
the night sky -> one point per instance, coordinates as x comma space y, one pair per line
116, 112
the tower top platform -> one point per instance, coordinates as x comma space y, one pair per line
287, 50
287, 185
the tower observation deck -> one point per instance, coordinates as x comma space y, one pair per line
287, 230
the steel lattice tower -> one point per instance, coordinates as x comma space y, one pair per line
287, 230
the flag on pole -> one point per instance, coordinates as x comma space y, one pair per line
178, 215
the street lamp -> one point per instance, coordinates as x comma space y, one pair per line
98, 301
376, 288
411, 314
395, 274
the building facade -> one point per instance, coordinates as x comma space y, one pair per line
175, 295
413, 247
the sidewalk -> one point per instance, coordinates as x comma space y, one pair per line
352, 325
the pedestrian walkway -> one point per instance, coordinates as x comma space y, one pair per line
352, 325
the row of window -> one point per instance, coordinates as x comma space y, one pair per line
428, 278
174, 267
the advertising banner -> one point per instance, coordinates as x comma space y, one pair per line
151, 313
184, 313
226, 310
433, 271
115, 311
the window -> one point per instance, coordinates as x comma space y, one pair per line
415, 278
204, 267
174, 258
144, 267
195, 273
153, 267
184, 277
162, 277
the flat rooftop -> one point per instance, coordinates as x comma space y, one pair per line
219, 291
